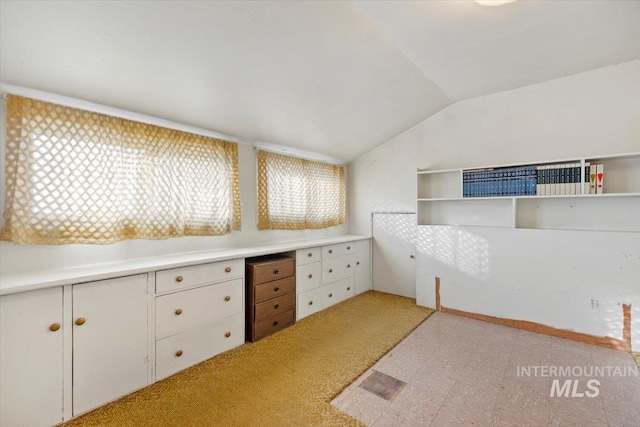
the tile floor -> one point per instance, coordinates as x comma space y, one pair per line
462, 371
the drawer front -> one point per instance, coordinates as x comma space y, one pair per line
198, 344
271, 324
308, 276
188, 277
182, 310
337, 292
339, 249
306, 256
276, 305
338, 268
266, 291
270, 271
308, 303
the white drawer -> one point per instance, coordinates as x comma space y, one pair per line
338, 250
337, 292
181, 310
308, 276
198, 344
338, 268
187, 277
305, 256
308, 303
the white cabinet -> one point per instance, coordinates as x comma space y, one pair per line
31, 349
363, 266
109, 340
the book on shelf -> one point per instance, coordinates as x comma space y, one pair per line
599, 179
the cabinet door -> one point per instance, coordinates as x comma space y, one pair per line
109, 340
394, 267
31, 358
363, 266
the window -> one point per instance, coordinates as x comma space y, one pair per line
74, 176
296, 194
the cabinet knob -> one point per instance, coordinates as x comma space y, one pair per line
331, 270
179, 279
411, 256
276, 272
330, 251
228, 269
277, 306
276, 289
348, 265
348, 248
309, 254
276, 323
310, 302
228, 334
178, 312
227, 298
330, 295
178, 353
349, 288
310, 276
80, 321
358, 263
54, 327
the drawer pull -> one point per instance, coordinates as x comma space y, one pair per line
179, 279
310, 302
80, 321
276, 323
348, 265
277, 306
310, 276
276, 272
348, 248
330, 295
228, 269
411, 256
178, 353
331, 270
54, 327
276, 289
227, 298
228, 334
358, 263
349, 288
330, 251
309, 254
178, 312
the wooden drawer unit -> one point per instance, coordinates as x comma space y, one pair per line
192, 346
271, 297
188, 277
339, 249
308, 276
338, 268
306, 256
308, 303
182, 310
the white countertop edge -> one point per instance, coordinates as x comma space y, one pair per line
50, 278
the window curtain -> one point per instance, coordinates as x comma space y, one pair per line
297, 194
74, 176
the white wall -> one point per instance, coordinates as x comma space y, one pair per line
17, 259
587, 114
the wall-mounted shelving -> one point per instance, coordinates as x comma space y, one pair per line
440, 200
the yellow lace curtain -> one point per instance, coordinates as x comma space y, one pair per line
74, 176
297, 194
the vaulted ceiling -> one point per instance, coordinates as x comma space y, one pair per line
337, 78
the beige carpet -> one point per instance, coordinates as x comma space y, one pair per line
637, 357
287, 379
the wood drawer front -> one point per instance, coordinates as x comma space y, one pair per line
308, 276
306, 256
337, 292
188, 277
308, 303
266, 291
339, 249
196, 306
273, 270
198, 344
338, 268
271, 324
275, 305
